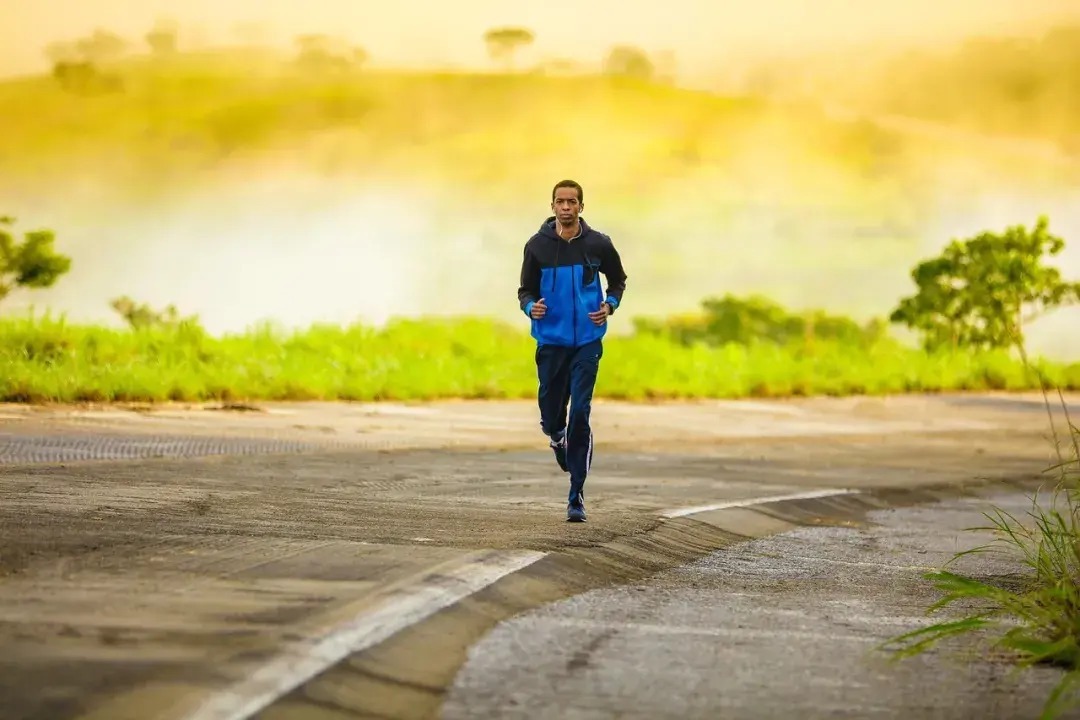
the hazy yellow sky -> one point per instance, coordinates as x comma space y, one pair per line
429, 30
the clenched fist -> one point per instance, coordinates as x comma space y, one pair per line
538, 310
599, 317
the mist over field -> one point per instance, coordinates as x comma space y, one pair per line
225, 182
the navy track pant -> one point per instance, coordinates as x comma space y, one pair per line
568, 375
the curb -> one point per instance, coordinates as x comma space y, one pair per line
408, 675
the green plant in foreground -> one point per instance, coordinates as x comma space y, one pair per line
1038, 623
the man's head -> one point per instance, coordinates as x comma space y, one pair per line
567, 202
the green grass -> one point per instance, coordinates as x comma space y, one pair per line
49, 360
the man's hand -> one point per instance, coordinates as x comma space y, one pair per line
538, 310
599, 317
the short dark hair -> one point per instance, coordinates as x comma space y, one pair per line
569, 184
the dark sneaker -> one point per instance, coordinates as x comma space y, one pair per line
559, 448
575, 510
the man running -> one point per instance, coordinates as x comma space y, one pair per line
560, 291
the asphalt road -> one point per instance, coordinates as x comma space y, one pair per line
325, 560
778, 627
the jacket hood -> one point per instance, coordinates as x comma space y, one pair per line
547, 229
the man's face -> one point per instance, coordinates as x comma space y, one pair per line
566, 206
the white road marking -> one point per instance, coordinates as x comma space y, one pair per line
749, 502
300, 661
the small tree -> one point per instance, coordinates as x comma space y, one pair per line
164, 38
503, 43
627, 61
76, 65
33, 263
982, 292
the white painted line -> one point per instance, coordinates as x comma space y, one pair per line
749, 502
302, 660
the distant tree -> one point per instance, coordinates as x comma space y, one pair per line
503, 43
324, 53
102, 46
164, 38
76, 65
627, 61
983, 291
83, 77
33, 263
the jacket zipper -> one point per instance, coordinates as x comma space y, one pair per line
573, 292
573, 285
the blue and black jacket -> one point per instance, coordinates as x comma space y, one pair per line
567, 276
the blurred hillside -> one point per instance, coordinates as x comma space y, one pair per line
249, 184
1023, 86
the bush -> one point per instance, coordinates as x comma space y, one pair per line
757, 319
